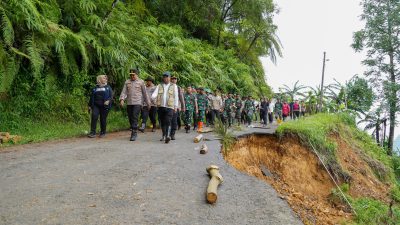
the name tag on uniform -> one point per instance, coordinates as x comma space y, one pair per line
100, 89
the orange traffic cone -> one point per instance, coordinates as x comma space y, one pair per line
199, 126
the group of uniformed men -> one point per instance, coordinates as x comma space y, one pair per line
171, 102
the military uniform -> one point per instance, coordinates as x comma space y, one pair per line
249, 110
202, 103
229, 108
191, 105
238, 114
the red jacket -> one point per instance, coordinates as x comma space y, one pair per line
286, 109
296, 107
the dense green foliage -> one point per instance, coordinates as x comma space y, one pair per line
380, 38
51, 51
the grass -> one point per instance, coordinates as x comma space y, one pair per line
226, 136
374, 212
52, 129
316, 131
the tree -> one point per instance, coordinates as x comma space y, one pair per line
380, 37
375, 120
294, 91
359, 94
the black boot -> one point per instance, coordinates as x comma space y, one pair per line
172, 135
163, 133
141, 129
187, 128
133, 135
168, 137
154, 128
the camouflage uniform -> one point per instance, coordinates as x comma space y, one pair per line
190, 101
229, 110
202, 103
238, 106
249, 110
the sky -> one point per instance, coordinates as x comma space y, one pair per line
306, 29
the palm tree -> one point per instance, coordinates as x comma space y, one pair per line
293, 91
375, 120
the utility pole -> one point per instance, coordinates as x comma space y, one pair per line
322, 83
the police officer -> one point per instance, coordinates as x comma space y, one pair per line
166, 97
134, 91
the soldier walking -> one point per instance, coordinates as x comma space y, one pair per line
229, 107
202, 103
191, 107
238, 109
249, 108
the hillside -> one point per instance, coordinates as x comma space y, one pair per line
296, 161
52, 51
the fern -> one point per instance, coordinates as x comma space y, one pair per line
7, 28
34, 53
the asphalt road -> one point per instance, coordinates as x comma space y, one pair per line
115, 181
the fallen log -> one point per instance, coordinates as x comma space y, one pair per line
203, 149
4, 134
4, 139
206, 130
215, 181
198, 138
15, 138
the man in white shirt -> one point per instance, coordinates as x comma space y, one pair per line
167, 100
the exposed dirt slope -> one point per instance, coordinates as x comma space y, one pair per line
296, 173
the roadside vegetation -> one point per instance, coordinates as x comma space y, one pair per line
320, 132
52, 51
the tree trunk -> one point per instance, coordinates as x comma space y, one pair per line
392, 82
392, 104
203, 149
256, 36
216, 180
377, 128
384, 132
224, 14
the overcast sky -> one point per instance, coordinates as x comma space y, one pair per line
307, 28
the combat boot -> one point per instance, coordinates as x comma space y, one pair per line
133, 135
168, 137
141, 129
